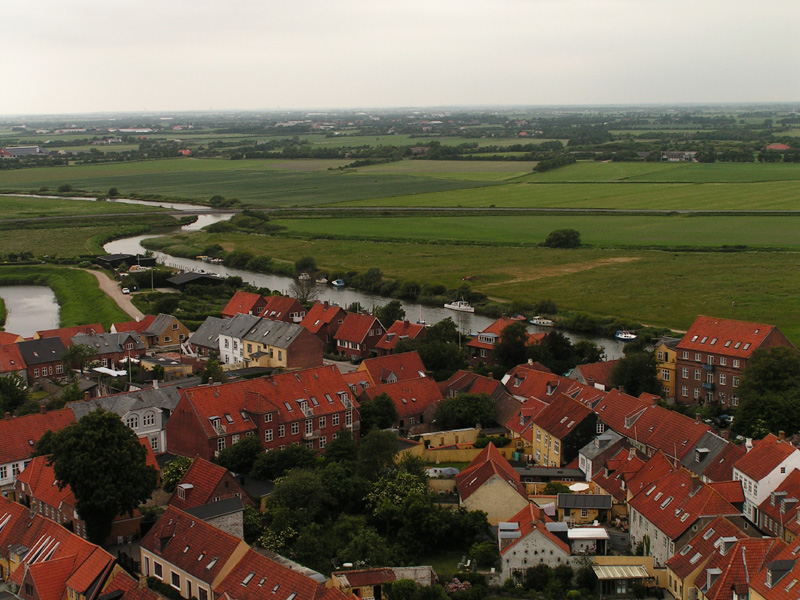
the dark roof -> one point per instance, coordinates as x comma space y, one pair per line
187, 278
599, 501
550, 472
217, 509
43, 350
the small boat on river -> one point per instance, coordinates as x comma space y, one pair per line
460, 305
623, 335
339, 283
541, 321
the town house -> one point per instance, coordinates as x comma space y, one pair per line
42, 358
480, 349
412, 399
112, 349
525, 541
277, 344
246, 303
162, 331
561, 430
323, 320
399, 330
358, 336
779, 514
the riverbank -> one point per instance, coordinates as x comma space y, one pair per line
113, 291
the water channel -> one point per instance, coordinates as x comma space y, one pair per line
29, 308
467, 322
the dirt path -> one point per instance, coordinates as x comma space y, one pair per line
110, 287
534, 273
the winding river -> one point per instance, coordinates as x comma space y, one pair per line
29, 308
467, 323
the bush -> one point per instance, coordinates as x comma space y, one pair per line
563, 238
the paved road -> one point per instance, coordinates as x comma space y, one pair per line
112, 289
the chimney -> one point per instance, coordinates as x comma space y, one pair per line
325, 304
155, 384
405, 323
530, 362
42, 409
87, 395
210, 381
8, 416
781, 435
694, 485
698, 417
631, 453
748, 444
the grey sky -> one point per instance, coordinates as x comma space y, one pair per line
113, 55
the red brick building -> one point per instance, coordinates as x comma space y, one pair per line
323, 320
481, 348
412, 398
307, 407
205, 482
358, 336
244, 302
400, 330
713, 354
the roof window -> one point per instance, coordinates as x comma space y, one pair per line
713, 341
694, 339
247, 579
728, 343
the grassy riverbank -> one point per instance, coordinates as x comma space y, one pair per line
79, 299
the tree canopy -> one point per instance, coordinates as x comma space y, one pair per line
563, 238
240, 457
465, 410
104, 464
378, 413
637, 373
389, 313
13, 393
511, 348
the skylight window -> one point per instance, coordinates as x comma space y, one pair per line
275, 589
228, 418
213, 562
703, 341
261, 583
650, 491
658, 496
247, 579
728, 343
695, 558
708, 534
746, 346
666, 503
288, 406
694, 339
736, 345
684, 516
685, 551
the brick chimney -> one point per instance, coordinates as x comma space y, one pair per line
42, 409
781, 435
698, 417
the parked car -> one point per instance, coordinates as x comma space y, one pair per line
126, 291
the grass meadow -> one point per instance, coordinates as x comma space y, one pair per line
79, 297
24, 207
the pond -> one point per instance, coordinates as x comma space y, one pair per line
30, 308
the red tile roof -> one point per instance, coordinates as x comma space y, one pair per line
533, 519
11, 359
527, 381
280, 307
730, 490
675, 502
65, 334
487, 464
9, 338
467, 382
411, 396
256, 576
268, 394
721, 469
137, 326
656, 468
563, 416
320, 314
702, 546
497, 328
598, 372
784, 587
735, 568
364, 577
19, 434
724, 336
356, 327
784, 512
49, 578
400, 330
38, 479
192, 545
243, 302
204, 477
618, 472
765, 457
151, 457
521, 422
407, 365
122, 582
358, 381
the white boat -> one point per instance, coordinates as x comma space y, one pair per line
541, 321
322, 280
624, 335
304, 277
460, 305
338, 283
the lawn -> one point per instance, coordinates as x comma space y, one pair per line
655, 287
596, 230
80, 299
21, 207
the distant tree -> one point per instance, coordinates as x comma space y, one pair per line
213, 371
305, 290
511, 349
769, 393
555, 487
13, 393
486, 554
77, 356
587, 352
637, 373
240, 457
563, 238
113, 192
307, 264
390, 313
105, 483
64, 188
342, 448
376, 453
465, 410
274, 464
378, 413
173, 472
158, 372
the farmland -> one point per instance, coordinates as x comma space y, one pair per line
22, 207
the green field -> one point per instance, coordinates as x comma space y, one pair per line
21, 207
79, 298
596, 230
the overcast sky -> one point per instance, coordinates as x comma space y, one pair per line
118, 55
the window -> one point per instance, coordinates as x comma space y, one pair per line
132, 421
202, 594
584, 512
268, 418
235, 344
735, 381
281, 430
696, 393
176, 580
556, 446
685, 354
665, 374
221, 443
249, 348
15, 470
697, 374
735, 363
280, 354
157, 569
59, 369
295, 428
734, 400
149, 419
268, 435
154, 444
600, 427
234, 438
348, 418
3, 472
722, 378
335, 419
538, 435
660, 355
310, 444
323, 441
710, 359
189, 588
227, 344
169, 339
309, 426
323, 421
685, 373
483, 353
697, 356
723, 361
36, 372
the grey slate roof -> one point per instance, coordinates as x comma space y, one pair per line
550, 473
706, 449
207, 335
239, 325
273, 333
43, 350
107, 343
159, 324
165, 397
600, 444
216, 509
597, 501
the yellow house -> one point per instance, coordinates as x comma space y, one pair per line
560, 431
490, 484
162, 331
666, 356
276, 344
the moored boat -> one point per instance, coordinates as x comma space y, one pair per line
541, 321
460, 305
338, 283
624, 335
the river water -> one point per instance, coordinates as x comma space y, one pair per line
30, 308
467, 323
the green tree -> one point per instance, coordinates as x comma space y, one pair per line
637, 373
342, 449
104, 464
485, 554
213, 371
307, 264
389, 313
302, 493
378, 413
113, 192
274, 464
563, 238
511, 348
13, 392
77, 356
376, 453
173, 472
769, 393
402, 589
240, 457
465, 410
555, 487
